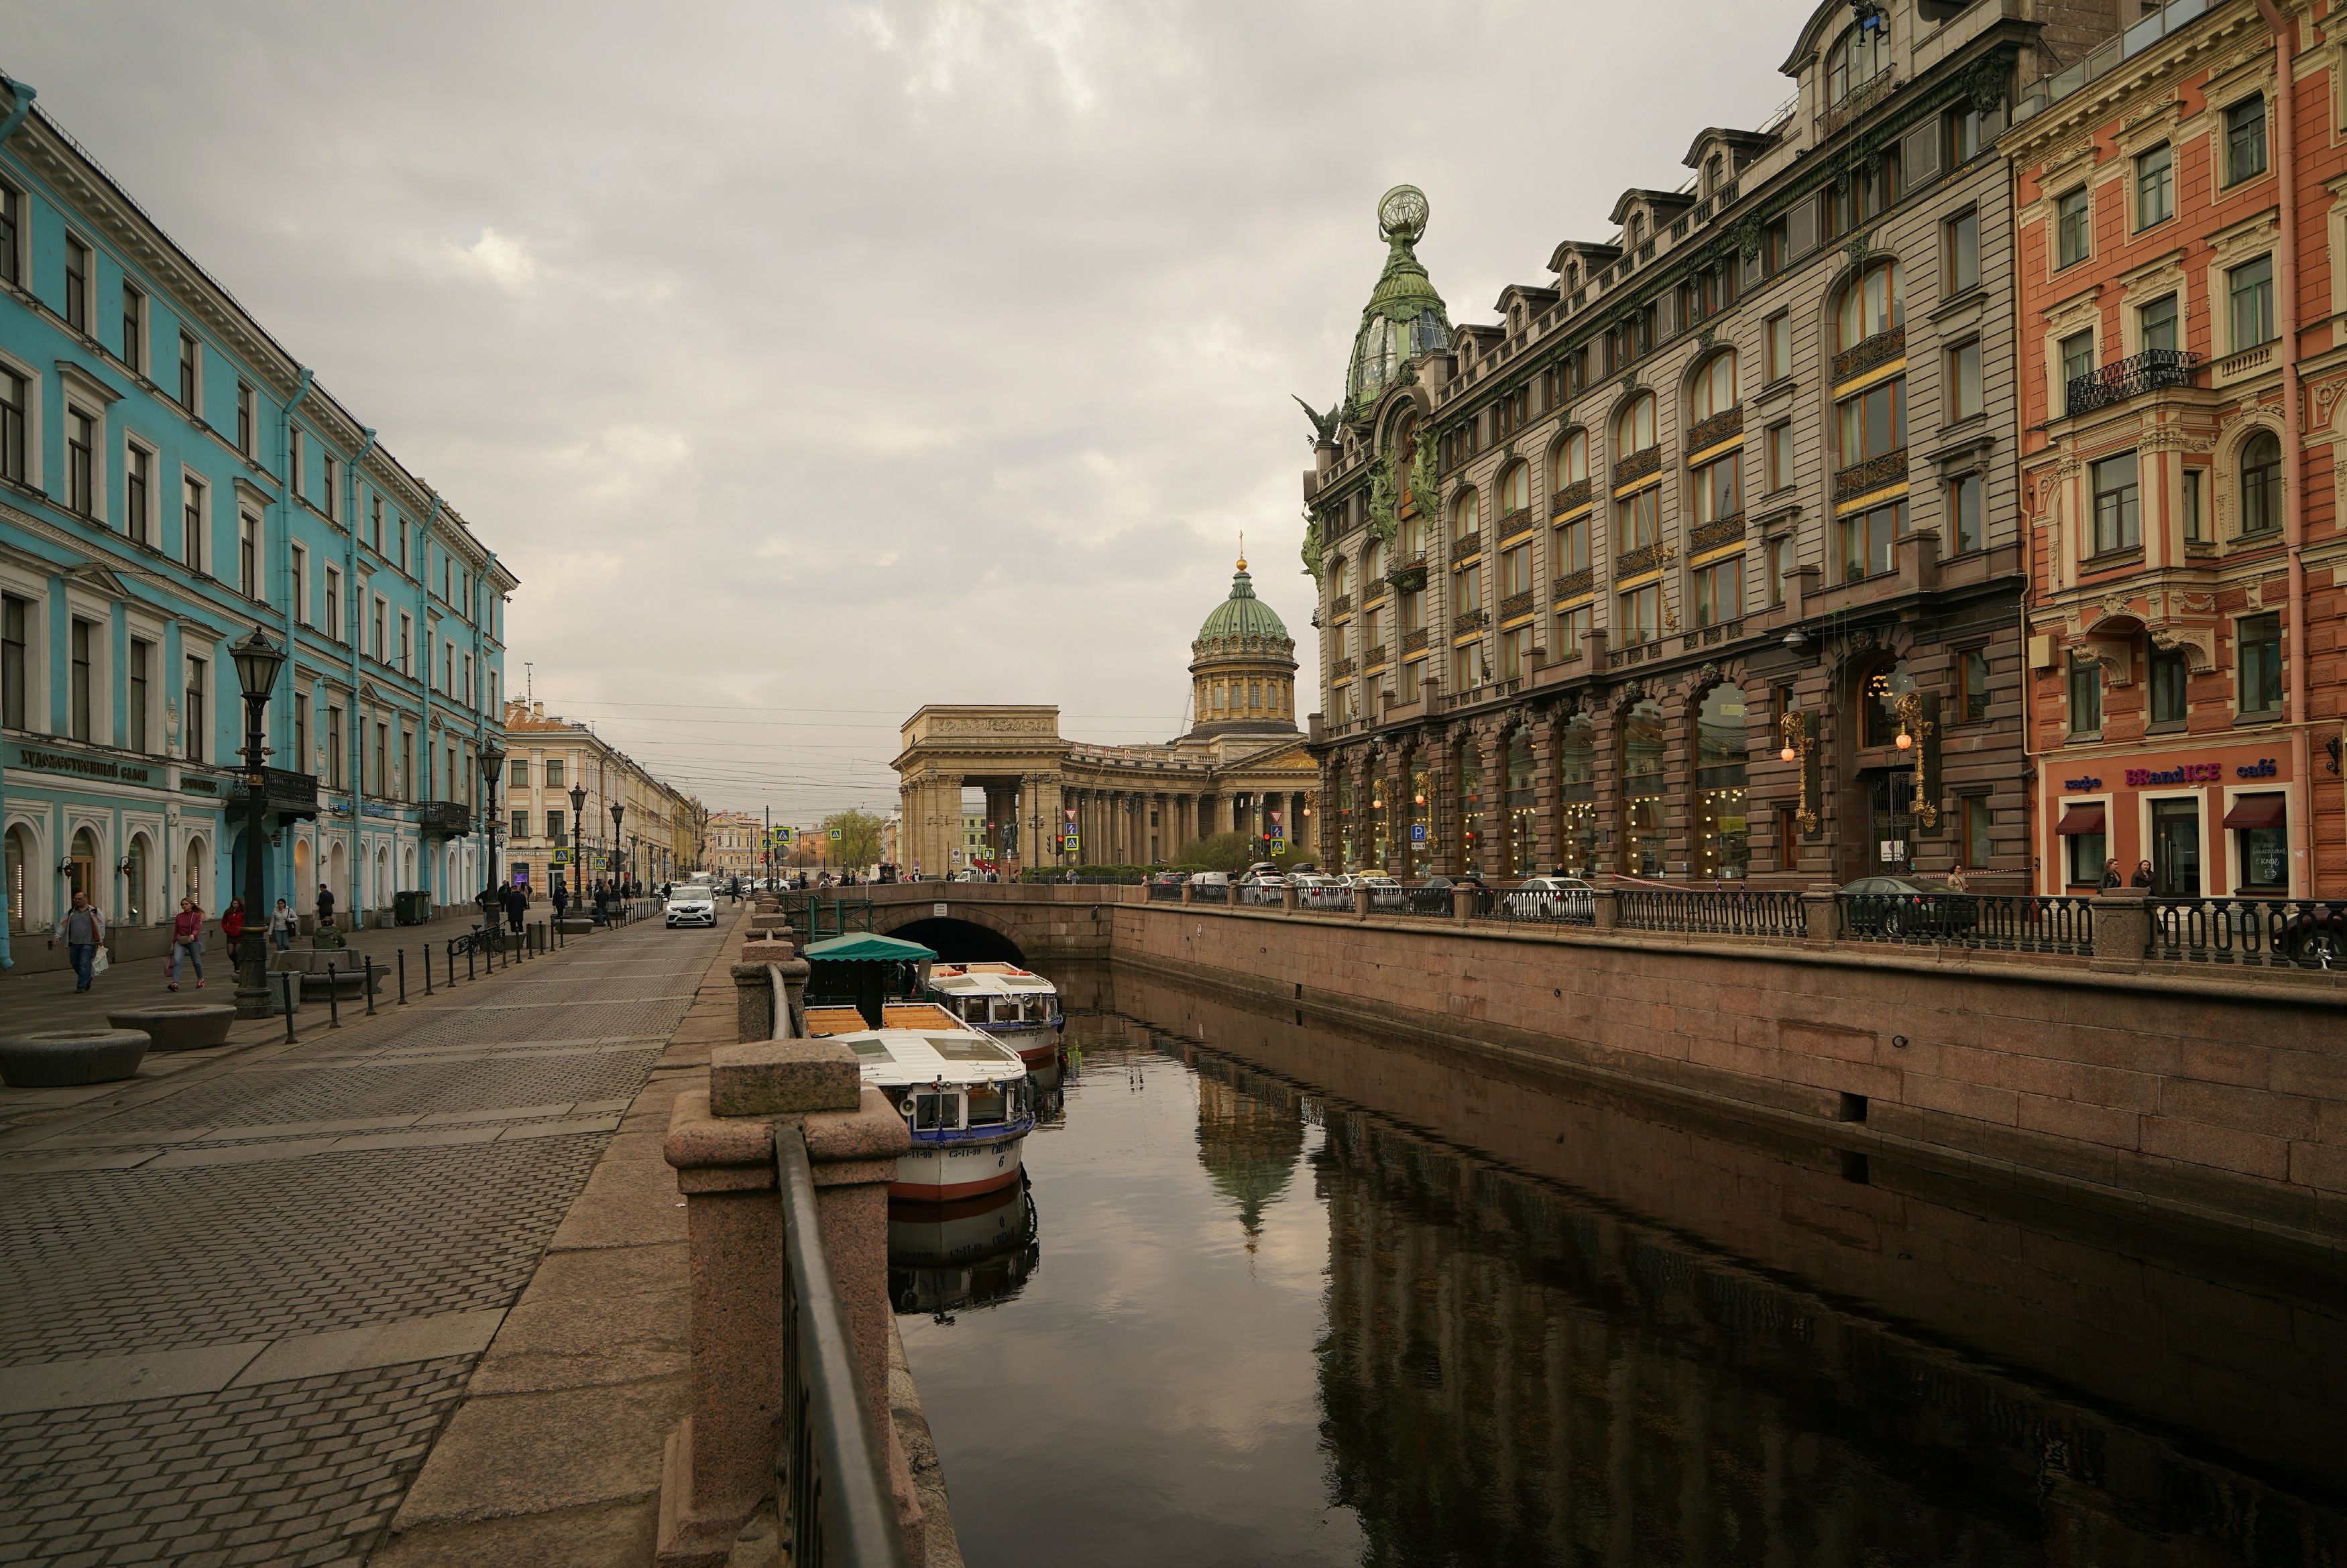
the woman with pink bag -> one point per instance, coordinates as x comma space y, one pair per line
188, 943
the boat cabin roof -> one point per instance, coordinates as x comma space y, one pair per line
987, 980
918, 1042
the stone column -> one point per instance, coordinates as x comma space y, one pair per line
1548, 848
2122, 928
1492, 853
720, 1141
1398, 806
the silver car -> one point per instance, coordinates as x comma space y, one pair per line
691, 906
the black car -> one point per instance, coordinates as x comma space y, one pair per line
1902, 909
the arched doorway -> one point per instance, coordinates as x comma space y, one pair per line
381, 891
1522, 806
191, 881
1577, 797
1883, 776
1345, 860
1469, 842
81, 871
407, 868
1722, 824
338, 876
1380, 844
1645, 846
15, 865
137, 893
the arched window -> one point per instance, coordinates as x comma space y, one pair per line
1576, 772
135, 909
192, 885
1874, 303
16, 860
1722, 829
1373, 562
1521, 805
2260, 483
1643, 842
1885, 681
1405, 446
1858, 57
1465, 851
1570, 465
82, 877
1516, 490
1714, 386
1466, 515
1633, 429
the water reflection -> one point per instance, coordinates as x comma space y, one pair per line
1321, 1299
972, 1252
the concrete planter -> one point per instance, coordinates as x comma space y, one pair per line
67, 1058
178, 1025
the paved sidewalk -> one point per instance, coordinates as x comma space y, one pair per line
238, 1299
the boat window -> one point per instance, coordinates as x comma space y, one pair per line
931, 1111
987, 1107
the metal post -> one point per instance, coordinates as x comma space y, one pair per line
402, 976
469, 964
370, 982
333, 997
289, 1007
427, 966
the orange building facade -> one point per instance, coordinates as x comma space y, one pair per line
2177, 196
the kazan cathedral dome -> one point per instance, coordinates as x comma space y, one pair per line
1243, 667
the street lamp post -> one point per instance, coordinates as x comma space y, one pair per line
577, 843
258, 662
493, 766
618, 812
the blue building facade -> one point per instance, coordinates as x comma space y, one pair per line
171, 478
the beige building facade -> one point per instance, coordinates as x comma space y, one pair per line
734, 844
659, 831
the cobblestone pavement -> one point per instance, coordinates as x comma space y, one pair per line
237, 1303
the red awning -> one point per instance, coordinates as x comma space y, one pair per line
2085, 819
2258, 812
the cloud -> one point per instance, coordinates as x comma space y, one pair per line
499, 258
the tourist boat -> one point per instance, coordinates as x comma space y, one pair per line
1017, 1007
964, 1095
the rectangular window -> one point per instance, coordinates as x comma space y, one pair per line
2085, 698
16, 661
554, 823
2074, 220
1780, 349
1515, 652
375, 526
12, 220
1873, 423
79, 689
1719, 592
518, 773
2245, 139
2077, 357
134, 328
1468, 669
293, 462
1413, 680
1516, 572
191, 523
2156, 326
1466, 595
2195, 530
1964, 529
1972, 685
1719, 489
334, 603
1639, 615
1637, 521
2155, 186
382, 757
554, 773
406, 644
1572, 548
142, 668
2258, 658
1977, 819
1572, 631
1960, 136
407, 766
381, 648
2169, 678
1867, 541
333, 490
1780, 455
81, 464
1960, 243
244, 419
401, 524
77, 271
2250, 290
190, 363
1779, 554
192, 722
300, 562
16, 411
521, 826
138, 494
2084, 858
2116, 522
248, 554
333, 746
302, 760
1964, 379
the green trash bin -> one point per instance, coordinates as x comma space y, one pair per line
411, 908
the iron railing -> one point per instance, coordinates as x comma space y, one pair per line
1428, 900
831, 1480
1259, 895
820, 915
1547, 907
2006, 923
1325, 898
2252, 933
1711, 911
1165, 892
1212, 893
2131, 377
1389, 900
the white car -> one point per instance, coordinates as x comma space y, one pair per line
1552, 898
691, 906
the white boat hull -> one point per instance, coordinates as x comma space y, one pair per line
938, 1172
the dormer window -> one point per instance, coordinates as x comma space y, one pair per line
1637, 229
1572, 275
1711, 174
1858, 56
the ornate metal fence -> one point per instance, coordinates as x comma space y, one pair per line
2253, 933
1711, 911
1990, 922
1545, 907
1165, 892
1210, 893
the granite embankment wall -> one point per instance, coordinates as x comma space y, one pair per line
2220, 1102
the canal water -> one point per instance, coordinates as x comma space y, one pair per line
1281, 1295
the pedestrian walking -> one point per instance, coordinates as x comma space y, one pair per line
517, 907
187, 943
2111, 877
232, 926
83, 931
2143, 876
281, 921
325, 906
1957, 882
561, 900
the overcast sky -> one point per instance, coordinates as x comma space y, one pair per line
810, 361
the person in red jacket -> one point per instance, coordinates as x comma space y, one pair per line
187, 941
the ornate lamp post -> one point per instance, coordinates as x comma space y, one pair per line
578, 843
258, 661
618, 812
493, 768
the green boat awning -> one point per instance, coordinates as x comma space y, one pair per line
862, 947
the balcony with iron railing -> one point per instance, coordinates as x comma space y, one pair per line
2153, 370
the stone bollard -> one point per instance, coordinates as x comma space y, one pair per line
2122, 927
754, 989
1605, 904
720, 1460
1360, 903
1817, 913
1462, 904
1287, 897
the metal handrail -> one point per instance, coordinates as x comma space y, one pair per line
831, 1479
783, 1026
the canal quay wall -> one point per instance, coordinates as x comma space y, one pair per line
2244, 1347
2222, 1101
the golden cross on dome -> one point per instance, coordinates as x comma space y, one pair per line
1242, 549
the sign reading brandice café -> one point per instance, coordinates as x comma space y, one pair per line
2198, 773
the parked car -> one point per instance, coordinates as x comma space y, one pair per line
1898, 908
1211, 880
690, 905
1553, 898
1169, 879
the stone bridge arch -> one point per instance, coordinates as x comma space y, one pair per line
966, 935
